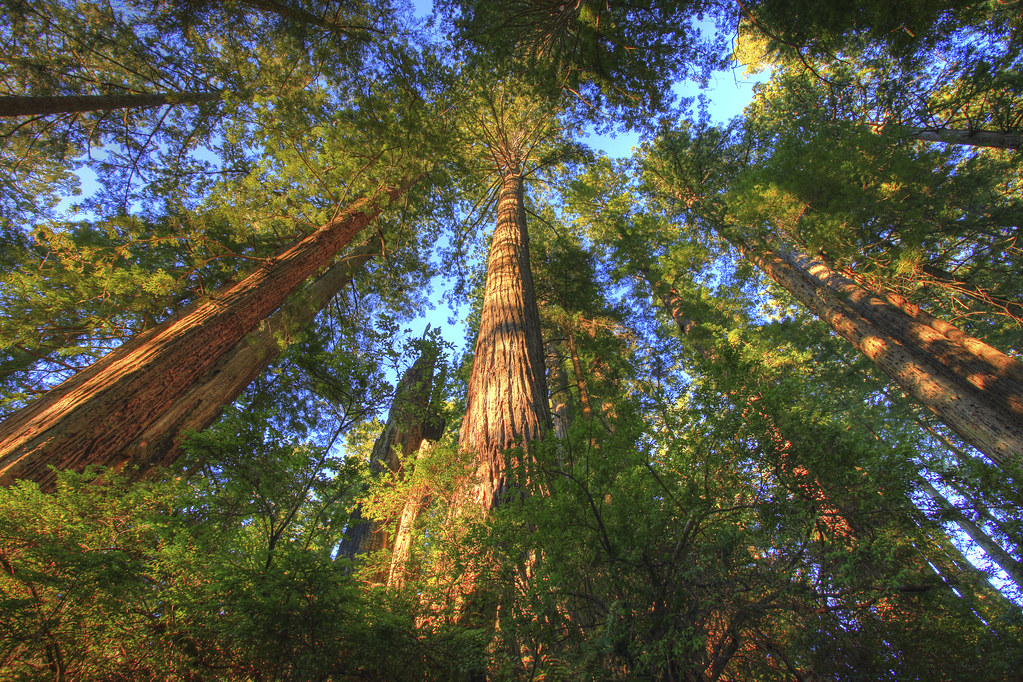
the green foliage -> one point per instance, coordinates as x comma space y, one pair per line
230, 575
614, 56
733, 493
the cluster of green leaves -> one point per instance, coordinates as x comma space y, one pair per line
734, 493
102, 579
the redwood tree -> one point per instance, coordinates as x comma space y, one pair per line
197, 408
507, 398
409, 422
93, 416
975, 389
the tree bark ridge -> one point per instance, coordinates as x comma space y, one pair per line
91, 417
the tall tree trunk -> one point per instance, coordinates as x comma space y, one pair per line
561, 409
975, 138
160, 444
94, 415
507, 400
972, 138
416, 502
967, 582
408, 424
580, 377
19, 105
995, 552
973, 388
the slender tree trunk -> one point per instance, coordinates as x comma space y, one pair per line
1007, 493
18, 105
416, 502
408, 423
973, 388
835, 517
507, 401
299, 15
561, 410
967, 582
973, 138
580, 378
94, 415
160, 444
996, 552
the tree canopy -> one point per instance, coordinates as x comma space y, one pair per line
747, 404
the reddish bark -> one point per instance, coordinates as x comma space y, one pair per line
507, 401
93, 416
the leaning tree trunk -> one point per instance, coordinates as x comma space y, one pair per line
417, 500
408, 424
841, 519
160, 444
1012, 567
837, 518
507, 400
94, 415
23, 105
970, 138
967, 583
973, 388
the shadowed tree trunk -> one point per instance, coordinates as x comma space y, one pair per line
561, 409
299, 15
507, 400
18, 105
408, 424
160, 443
973, 388
995, 552
837, 518
94, 415
967, 582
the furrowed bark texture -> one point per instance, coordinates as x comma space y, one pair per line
507, 401
94, 415
160, 444
408, 423
17, 105
973, 388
